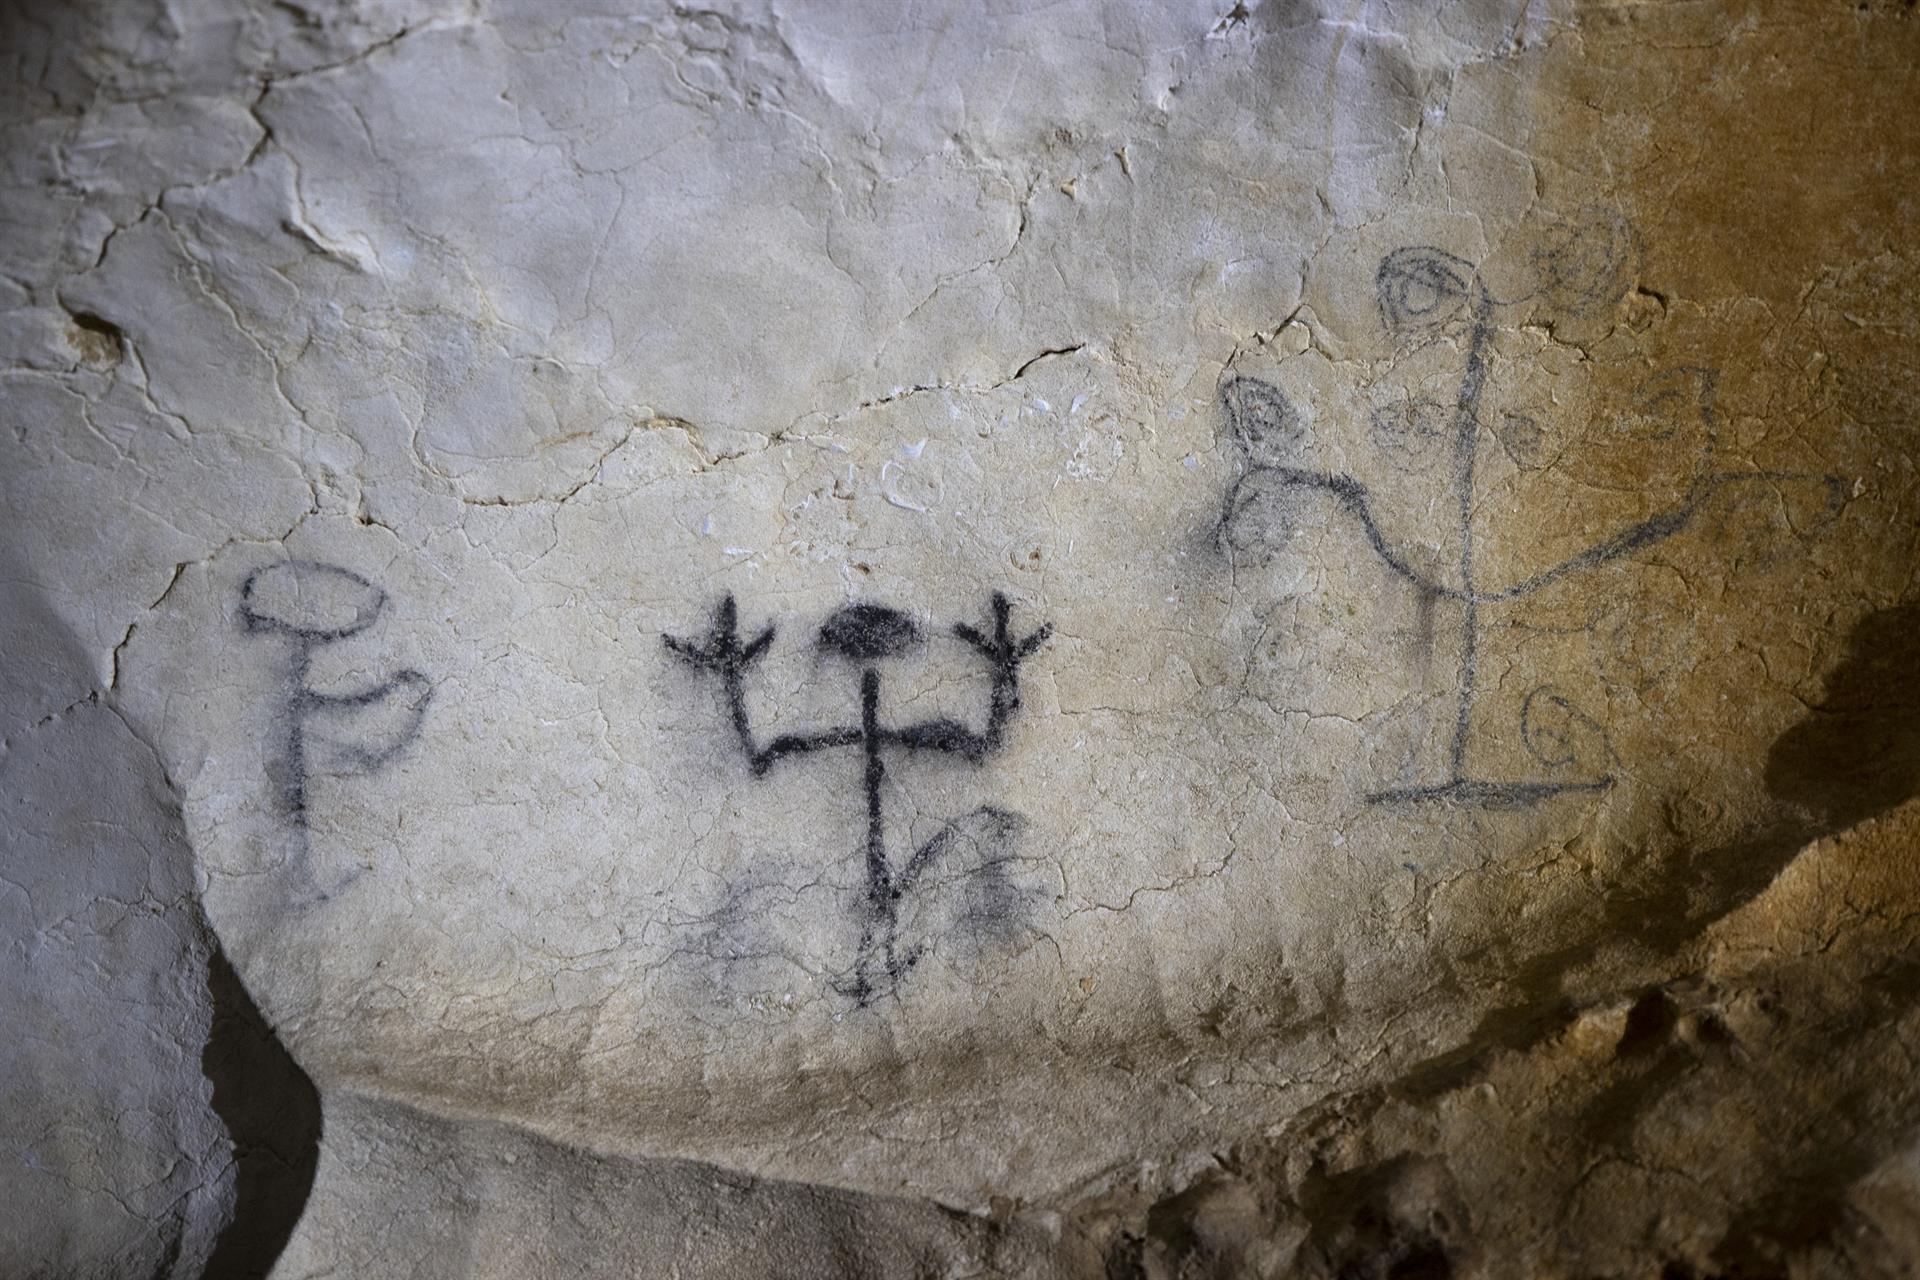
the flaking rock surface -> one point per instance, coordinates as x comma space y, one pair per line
1113, 639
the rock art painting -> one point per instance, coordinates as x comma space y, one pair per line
1428, 296
863, 636
1069, 639
310, 605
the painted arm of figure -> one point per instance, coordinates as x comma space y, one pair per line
722, 653
1664, 524
1348, 494
414, 690
1004, 654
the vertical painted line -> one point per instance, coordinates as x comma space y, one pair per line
1466, 444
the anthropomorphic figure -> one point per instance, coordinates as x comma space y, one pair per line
313, 605
866, 634
1428, 296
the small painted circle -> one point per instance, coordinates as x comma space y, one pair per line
1671, 403
1268, 426
1420, 287
1412, 424
1585, 263
863, 632
1525, 440
306, 598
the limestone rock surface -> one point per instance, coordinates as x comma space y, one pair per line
1101, 638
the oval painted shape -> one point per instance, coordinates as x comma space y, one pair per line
307, 598
867, 631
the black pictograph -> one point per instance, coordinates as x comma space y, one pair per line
313, 605
866, 634
1425, 294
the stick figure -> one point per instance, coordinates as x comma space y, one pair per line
1425, 293
864, 634
314, 605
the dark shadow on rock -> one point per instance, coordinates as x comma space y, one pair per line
1854, 755
272, 1114
1808, 1203
1395, 1220
1858, 751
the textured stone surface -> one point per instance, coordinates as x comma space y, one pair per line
1224, 639
116, 1161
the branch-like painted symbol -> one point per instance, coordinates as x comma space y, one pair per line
313, 605
1425, 294
865, 634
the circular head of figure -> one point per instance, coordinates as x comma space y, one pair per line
867, 631
1421, 287
318, 602
1585, 263
1267, 426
